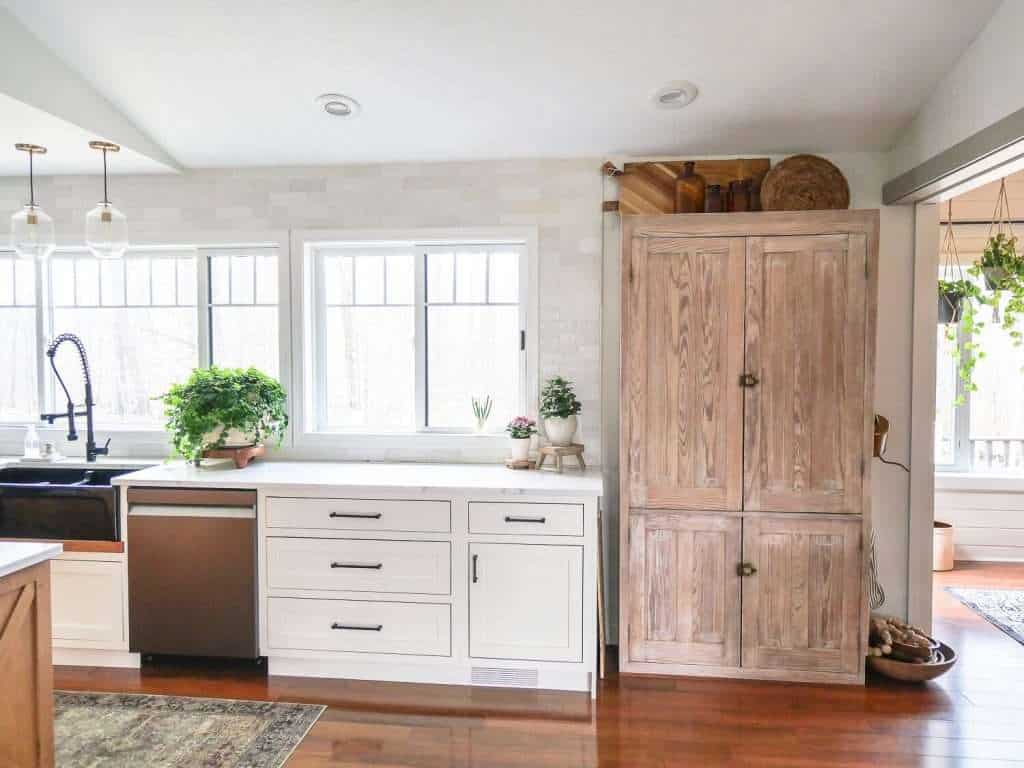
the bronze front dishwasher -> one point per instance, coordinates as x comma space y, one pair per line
192, 572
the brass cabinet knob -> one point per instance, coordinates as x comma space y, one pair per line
746, 569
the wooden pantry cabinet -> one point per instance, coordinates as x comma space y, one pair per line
746, 428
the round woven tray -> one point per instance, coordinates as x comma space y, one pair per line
805, 183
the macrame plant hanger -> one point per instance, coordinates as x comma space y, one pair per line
952, 269
1002, 224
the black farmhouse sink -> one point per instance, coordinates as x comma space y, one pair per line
59, 503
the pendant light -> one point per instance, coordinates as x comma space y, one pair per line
32, 234
106, 228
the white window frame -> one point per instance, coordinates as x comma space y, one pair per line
422, 444
135, 442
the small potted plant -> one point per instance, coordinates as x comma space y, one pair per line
952, 294
558, 409
520, 430
482, 412
220, 408
1000, 264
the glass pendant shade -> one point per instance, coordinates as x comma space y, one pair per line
106, 228
32, 233
106, 232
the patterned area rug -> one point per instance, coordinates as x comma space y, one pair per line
1002, 607
115, 730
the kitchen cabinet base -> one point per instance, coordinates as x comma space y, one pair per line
627, 668
487, 672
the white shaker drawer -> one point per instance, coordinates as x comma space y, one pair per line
360, 514
359, 565
420, 629
517, 518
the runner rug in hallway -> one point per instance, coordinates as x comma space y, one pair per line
115, 730
1003, 608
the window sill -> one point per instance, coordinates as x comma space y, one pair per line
969, 481
413, 446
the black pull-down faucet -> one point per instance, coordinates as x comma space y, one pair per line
91, 449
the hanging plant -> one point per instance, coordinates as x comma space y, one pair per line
959, 300
1003, 269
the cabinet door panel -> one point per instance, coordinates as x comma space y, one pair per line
682, 405
685, 592
526, 602
802, 608
805, 419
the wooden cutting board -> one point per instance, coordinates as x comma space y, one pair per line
647, 188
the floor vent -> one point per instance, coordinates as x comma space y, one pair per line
508, 678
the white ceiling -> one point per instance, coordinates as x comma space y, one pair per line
232, 83
69, 145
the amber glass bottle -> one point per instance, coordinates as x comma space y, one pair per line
689, 190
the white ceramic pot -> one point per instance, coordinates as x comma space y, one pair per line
519, 448
234, 438
560, 430
942, 547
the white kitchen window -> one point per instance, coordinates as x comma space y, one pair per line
146, 321
401, 335
19, 339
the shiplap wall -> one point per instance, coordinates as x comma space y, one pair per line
988, 524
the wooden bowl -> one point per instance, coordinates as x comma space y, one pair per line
915, 673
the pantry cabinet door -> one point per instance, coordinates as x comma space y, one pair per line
684, 606
802, 605
682, 408
805, 420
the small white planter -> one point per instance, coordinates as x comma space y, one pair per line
942, 547
233, 439
519, 448
560, 430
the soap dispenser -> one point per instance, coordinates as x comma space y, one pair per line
31, 442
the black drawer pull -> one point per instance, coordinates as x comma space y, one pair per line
365, 566
475, 578
359, 627
510, 519
362, 515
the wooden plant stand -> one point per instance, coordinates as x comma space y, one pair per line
241, 456
558, 452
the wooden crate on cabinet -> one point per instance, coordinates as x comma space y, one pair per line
745, 405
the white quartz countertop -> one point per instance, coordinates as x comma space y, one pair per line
18, 555
320, 474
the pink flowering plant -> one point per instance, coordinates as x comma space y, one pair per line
521, 427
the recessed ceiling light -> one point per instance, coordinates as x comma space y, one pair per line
675, 95
338, 104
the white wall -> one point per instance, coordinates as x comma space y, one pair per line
562, 198
982, 88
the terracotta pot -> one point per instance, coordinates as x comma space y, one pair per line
560, 430
519, 448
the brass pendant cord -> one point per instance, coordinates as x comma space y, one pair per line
105, 200
31, 180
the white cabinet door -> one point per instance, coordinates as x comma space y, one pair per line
88, 600
526, 602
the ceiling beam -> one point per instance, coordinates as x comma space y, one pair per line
34, 75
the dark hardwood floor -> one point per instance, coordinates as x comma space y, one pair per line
972, 717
